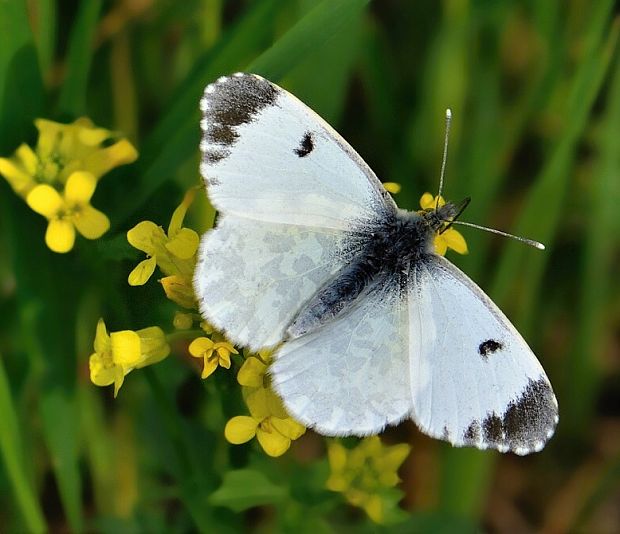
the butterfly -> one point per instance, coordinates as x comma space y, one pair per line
312, 256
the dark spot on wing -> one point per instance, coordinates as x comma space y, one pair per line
227, 104
527, 423
306, 145
489, 346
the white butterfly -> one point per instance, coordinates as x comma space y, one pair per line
310, 250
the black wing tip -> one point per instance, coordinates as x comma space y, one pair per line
227, 104
526, 425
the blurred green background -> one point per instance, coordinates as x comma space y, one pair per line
535, 92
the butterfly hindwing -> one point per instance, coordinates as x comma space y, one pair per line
252, 276
349, 376
474, 380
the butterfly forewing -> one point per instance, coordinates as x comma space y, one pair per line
268, 157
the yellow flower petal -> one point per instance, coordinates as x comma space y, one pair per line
208, 368
45, 200
80, 187
153, 345
199, 346
428, 201
257, 403
125, 348
337, 456
374, 508
28, 158
20, 180
288, 427
145, 235
455, 240
60, 235
184, 244
392, 187
180, 290
100, 375
176, 221
440, 245
142, 272
224, 359
103, 160
90, 222
251, 373
337, 483
102, 339
119, 377
272, 442
240, 429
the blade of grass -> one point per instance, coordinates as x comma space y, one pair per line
47, 315
597, 268
44, 15
311, 32
11, 449
72, 100
519, 266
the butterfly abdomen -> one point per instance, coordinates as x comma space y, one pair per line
385, 252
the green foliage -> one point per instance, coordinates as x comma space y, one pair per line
535, 92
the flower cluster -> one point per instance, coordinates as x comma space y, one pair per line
449, 238
174, 252
268, 420
367, 475
119, 353
58, 177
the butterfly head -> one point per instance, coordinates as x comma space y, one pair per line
441, 216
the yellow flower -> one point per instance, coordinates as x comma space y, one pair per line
174, 251
119, 353
212, 353
268, 420
252, 372
365, 474
63, 149
70, 211
451, 238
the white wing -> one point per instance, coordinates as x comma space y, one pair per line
349, 376
291, 192
474, 380
268, 157
253, 276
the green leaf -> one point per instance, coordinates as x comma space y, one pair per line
73, 94
311, 32
245, 488
11, 449
21, 88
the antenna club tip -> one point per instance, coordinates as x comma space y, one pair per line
540, 246
448, 113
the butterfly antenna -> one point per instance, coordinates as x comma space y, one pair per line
529, 242
445, 155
